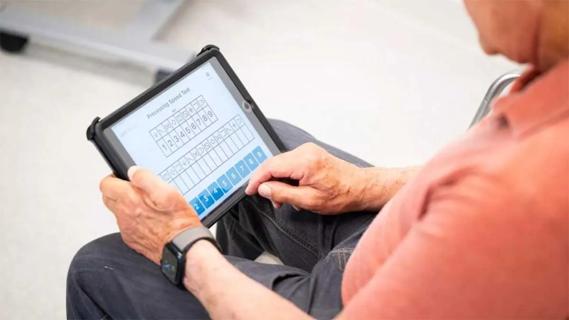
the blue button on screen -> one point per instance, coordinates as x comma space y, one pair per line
251, 161
197, 205
259, 154
242, 168
206, 198
233, 176
221, 187
224, 183
215, 191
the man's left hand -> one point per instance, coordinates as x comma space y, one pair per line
149, 211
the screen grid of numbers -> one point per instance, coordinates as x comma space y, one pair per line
201, 161
177, 130
208, 147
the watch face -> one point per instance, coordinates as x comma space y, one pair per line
169, 264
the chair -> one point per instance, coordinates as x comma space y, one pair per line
495, 90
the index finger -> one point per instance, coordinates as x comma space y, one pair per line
279, 166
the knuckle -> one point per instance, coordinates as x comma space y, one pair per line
172, 194
312, 157
103, 185
312, 163
313, 148
314, 202
168, 197
138, 175
137, 211
141, 178
309, 145
313, 153
272, 163
133, 200
138, 179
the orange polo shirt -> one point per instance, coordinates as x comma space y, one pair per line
483, 230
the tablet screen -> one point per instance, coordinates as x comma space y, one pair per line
198, 135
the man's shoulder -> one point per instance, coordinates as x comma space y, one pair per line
539, 164
529, 173
525, 192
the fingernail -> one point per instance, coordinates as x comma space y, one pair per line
265, 191
131, 171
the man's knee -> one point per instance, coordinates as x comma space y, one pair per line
290, 135
97, 251
92, 256
107, 278
87, 271
109, 253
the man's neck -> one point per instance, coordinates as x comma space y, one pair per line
553, 35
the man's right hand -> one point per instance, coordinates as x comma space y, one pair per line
326, 184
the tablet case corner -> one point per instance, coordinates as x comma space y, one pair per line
94, 134
91, 131
207, 48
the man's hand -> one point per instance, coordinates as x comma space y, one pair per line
149, 211
326, 184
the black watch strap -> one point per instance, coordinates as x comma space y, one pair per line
173, 261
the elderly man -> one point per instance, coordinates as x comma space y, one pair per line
480, 231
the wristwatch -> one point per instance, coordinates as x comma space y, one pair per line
173, 260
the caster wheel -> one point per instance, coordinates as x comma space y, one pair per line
12, 43
161, 74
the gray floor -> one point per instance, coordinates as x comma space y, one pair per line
391, 81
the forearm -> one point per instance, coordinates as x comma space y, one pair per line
381, 184
227, 293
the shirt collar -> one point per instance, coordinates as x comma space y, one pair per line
536, 99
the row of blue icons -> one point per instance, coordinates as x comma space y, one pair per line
225, 183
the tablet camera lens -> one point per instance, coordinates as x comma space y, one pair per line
246, 106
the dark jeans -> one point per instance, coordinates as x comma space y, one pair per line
109, 280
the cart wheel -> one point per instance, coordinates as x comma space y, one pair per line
161, 74
12, 43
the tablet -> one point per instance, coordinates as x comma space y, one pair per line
199, 130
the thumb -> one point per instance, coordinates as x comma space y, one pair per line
300, 196
161, 194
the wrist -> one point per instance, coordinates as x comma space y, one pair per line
202, 253
372, 191
180, 225
379, 185
175, 252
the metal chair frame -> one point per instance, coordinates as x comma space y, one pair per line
496, 89
136, 43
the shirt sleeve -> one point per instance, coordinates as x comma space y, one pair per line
477, 252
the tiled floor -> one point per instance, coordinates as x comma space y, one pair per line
391, 81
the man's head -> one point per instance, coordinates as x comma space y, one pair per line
527, 31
